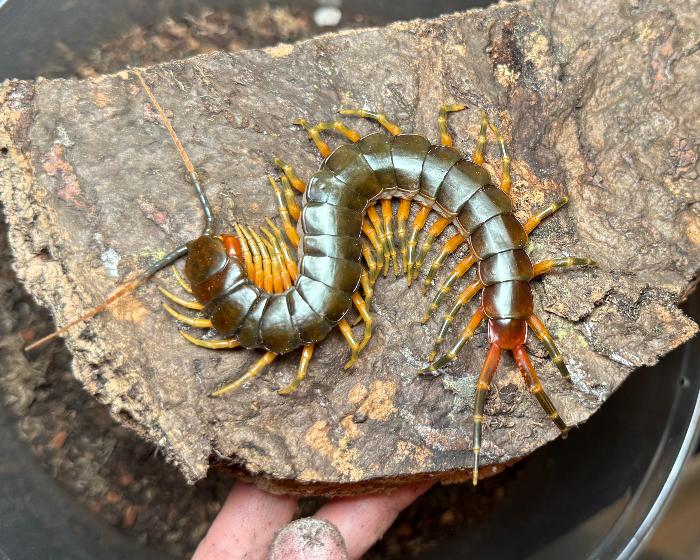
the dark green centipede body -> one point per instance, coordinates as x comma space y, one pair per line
349, 180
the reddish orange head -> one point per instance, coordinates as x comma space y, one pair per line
213, 265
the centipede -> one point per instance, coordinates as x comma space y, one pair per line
250, 291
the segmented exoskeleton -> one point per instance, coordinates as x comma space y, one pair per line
253, 293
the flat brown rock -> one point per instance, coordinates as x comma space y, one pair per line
598, 100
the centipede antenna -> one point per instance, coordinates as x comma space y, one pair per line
139, 279
201, 195
124, 289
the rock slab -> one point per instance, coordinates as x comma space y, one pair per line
598, 101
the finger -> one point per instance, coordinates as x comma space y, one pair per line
246, 525
362, 520
309, 539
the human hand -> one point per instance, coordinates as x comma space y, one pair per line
255, 525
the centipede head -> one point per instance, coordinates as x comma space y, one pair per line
213, 264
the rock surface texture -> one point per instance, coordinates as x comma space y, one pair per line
598, 101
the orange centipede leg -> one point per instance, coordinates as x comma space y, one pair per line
315, 133
445, 137
268, 283
303, 368
252, 372
418, 224
543, 267
245, 248
460, 270
465, 297
259, 274
482, 388
433, 233
478, 156
402, 217
381, 236
505, 159
381, 118
282, 265
346, 331
448, 248
289, 228
276, 265
388, 215
291, 175
467, 333
371, 234
535, 220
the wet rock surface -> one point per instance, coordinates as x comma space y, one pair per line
597, 102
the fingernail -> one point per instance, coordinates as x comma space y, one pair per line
308, 539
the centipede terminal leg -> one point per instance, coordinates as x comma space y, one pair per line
252, 372
483, 385
445, 137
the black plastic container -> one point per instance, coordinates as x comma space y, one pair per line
595, 495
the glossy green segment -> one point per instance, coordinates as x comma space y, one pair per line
462, 181
500, 233
277, 331
227, 312
508, 300
376, 149
509, 265
438, 162
484, 204
408, 152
